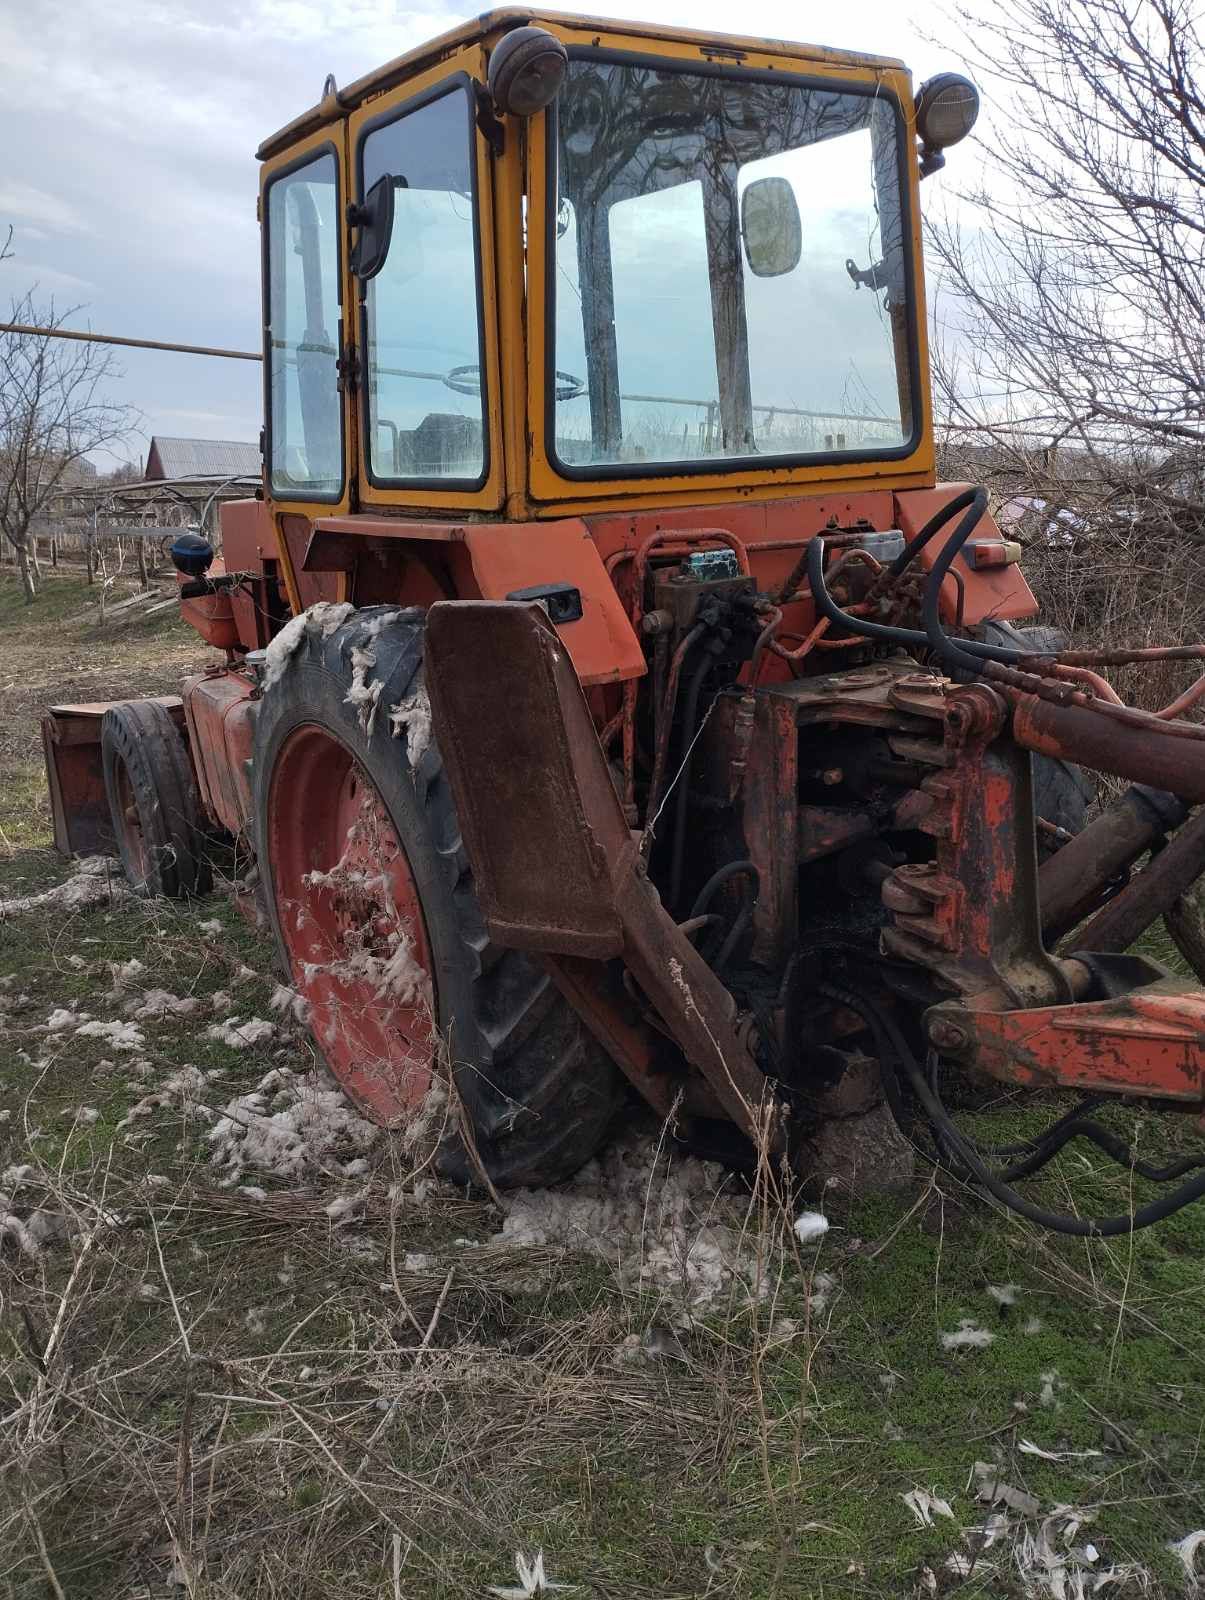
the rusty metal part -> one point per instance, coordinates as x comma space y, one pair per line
1151, 893
596, 995
1099, 686
664, 725
1161, 756
221, 710
1126, 658
563, 876
971, 915
79, 805
1150, 1041
1072, 881
688, 538
1183, 702
823, 830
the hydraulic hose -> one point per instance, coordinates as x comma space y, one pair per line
890, 1042
935, 524
958, 654
886, 634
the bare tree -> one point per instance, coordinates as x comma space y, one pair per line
1074, 310
1069, 340
53, 413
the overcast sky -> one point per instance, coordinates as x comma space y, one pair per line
129, 175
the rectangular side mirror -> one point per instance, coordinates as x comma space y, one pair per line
771, 227
374, 219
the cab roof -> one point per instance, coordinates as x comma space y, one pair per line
337, 102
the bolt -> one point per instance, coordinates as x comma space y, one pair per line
947, 1035
832, 776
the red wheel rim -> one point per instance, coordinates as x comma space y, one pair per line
130, 822
352, 922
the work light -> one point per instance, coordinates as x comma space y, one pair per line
946, 109
526, 70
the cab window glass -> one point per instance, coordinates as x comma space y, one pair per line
729, 270
422, 326
305, 419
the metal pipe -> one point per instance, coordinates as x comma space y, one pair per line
135, 344
1072, 882
1152, 893
1138, 746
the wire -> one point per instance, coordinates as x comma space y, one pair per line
890, 1043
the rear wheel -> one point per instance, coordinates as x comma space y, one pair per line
371, 899
153, 801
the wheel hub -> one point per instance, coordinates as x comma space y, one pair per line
352, 923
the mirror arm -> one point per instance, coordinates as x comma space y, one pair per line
488, 126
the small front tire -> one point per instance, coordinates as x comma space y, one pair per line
153, 803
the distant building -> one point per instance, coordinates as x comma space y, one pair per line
194, 459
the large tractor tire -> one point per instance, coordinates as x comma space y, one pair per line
153, 803
370, 895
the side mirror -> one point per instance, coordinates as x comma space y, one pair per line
771, 227
375, 222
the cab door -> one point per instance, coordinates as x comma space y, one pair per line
430, 436
309, 432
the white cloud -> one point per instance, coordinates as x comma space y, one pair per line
23, 203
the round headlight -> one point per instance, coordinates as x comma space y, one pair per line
526, 71
946, 109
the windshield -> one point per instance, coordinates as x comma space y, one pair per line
695, 319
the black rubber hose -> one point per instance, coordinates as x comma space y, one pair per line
1078, 1227
908, 636
934, 526
718, 879
735, 934
690, 711
957, 654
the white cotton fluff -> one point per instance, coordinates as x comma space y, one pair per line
121, 1035
241, 1035
967, 1336
362, 694
1004, 1294
411, 716
211, 925
677, 1225
290, 1126
288, 1004
182, 1089
320, 621
95, 881
124, 973
810, 1225
61, 1018
156, 1004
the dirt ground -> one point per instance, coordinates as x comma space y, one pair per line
250, 1346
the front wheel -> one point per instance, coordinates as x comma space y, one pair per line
371, 900
153, 803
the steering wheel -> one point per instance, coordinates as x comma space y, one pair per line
467, 380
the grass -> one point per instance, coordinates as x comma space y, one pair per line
219, 1395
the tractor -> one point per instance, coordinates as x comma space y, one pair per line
612, 705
